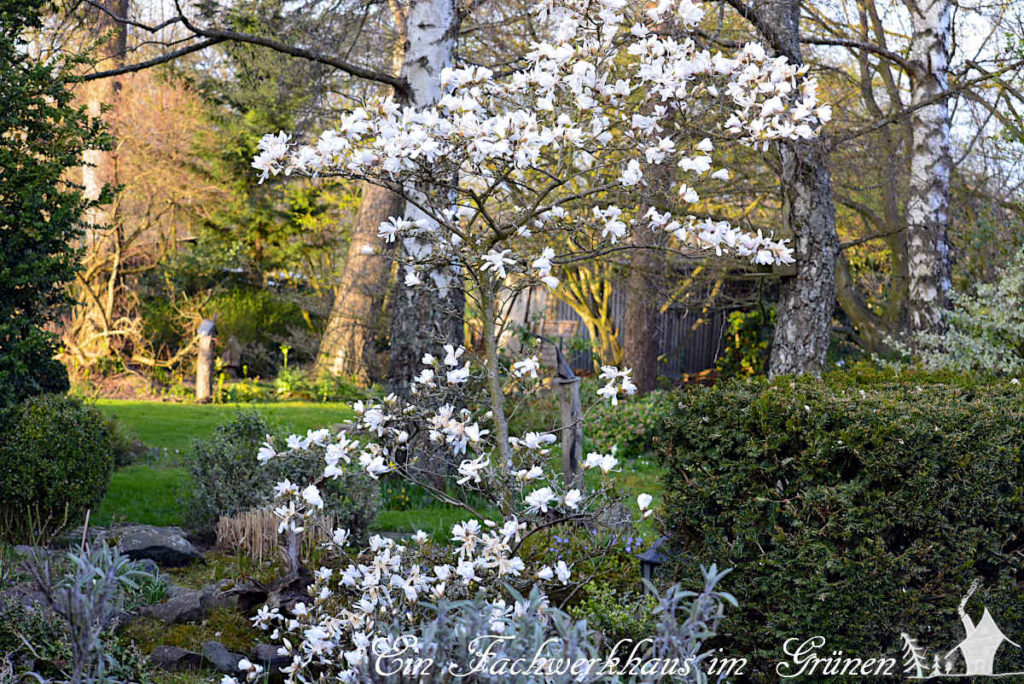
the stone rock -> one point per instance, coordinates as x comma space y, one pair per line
191, 605
221, 658
248, 596
185, 607
148, 565
167, 546
267, 656
175, 659
24, 594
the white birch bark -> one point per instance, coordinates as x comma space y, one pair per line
927, 210
423, 316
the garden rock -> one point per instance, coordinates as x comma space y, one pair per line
148, 565
191, 605
175, 659
248, 596
267, 656
25, 594
185, 607
221, 658
167, 546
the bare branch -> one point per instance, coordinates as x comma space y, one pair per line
214, 36
162, 59
864, 46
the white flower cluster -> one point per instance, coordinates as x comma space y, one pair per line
594, 110
617, 381
337, 628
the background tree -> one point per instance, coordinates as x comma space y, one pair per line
43, 135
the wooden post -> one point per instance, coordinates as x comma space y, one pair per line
572, 423
205, 361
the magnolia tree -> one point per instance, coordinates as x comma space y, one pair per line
505, 180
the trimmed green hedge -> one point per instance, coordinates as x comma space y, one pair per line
855, 506
56, 458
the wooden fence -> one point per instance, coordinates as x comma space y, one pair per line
687, 342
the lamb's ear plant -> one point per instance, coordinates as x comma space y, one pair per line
88, 598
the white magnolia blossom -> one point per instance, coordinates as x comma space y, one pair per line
618, 381
532, 158
609, 93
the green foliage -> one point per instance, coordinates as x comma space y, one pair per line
615, 613
122, 442
629, 427
986, 329
48, 652
748, 342
255, 317
227, 479
42, 136
854, 506
56, 457
297, 383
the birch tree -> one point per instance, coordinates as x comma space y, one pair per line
927, 212
423, 317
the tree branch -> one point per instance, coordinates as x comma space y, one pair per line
162, 59
775, 41
214, 36
866, 47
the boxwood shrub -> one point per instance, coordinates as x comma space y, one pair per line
56, 458
855, 506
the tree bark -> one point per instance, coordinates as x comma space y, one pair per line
927, 212
430, 314
806, 300
640, 323
803, 323
347, 345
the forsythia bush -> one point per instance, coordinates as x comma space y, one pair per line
855, 507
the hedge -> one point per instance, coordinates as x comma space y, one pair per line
855, 506
56, 458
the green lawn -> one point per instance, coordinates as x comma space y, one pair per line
144, 494
173, 426
149, 492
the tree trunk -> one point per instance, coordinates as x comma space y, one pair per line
803, 323
347, 345
640, 334
430, 314
927, 211
91, 318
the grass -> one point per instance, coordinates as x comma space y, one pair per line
173, 426
436, 520
149, 493
145, 494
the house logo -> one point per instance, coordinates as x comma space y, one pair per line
974, 656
